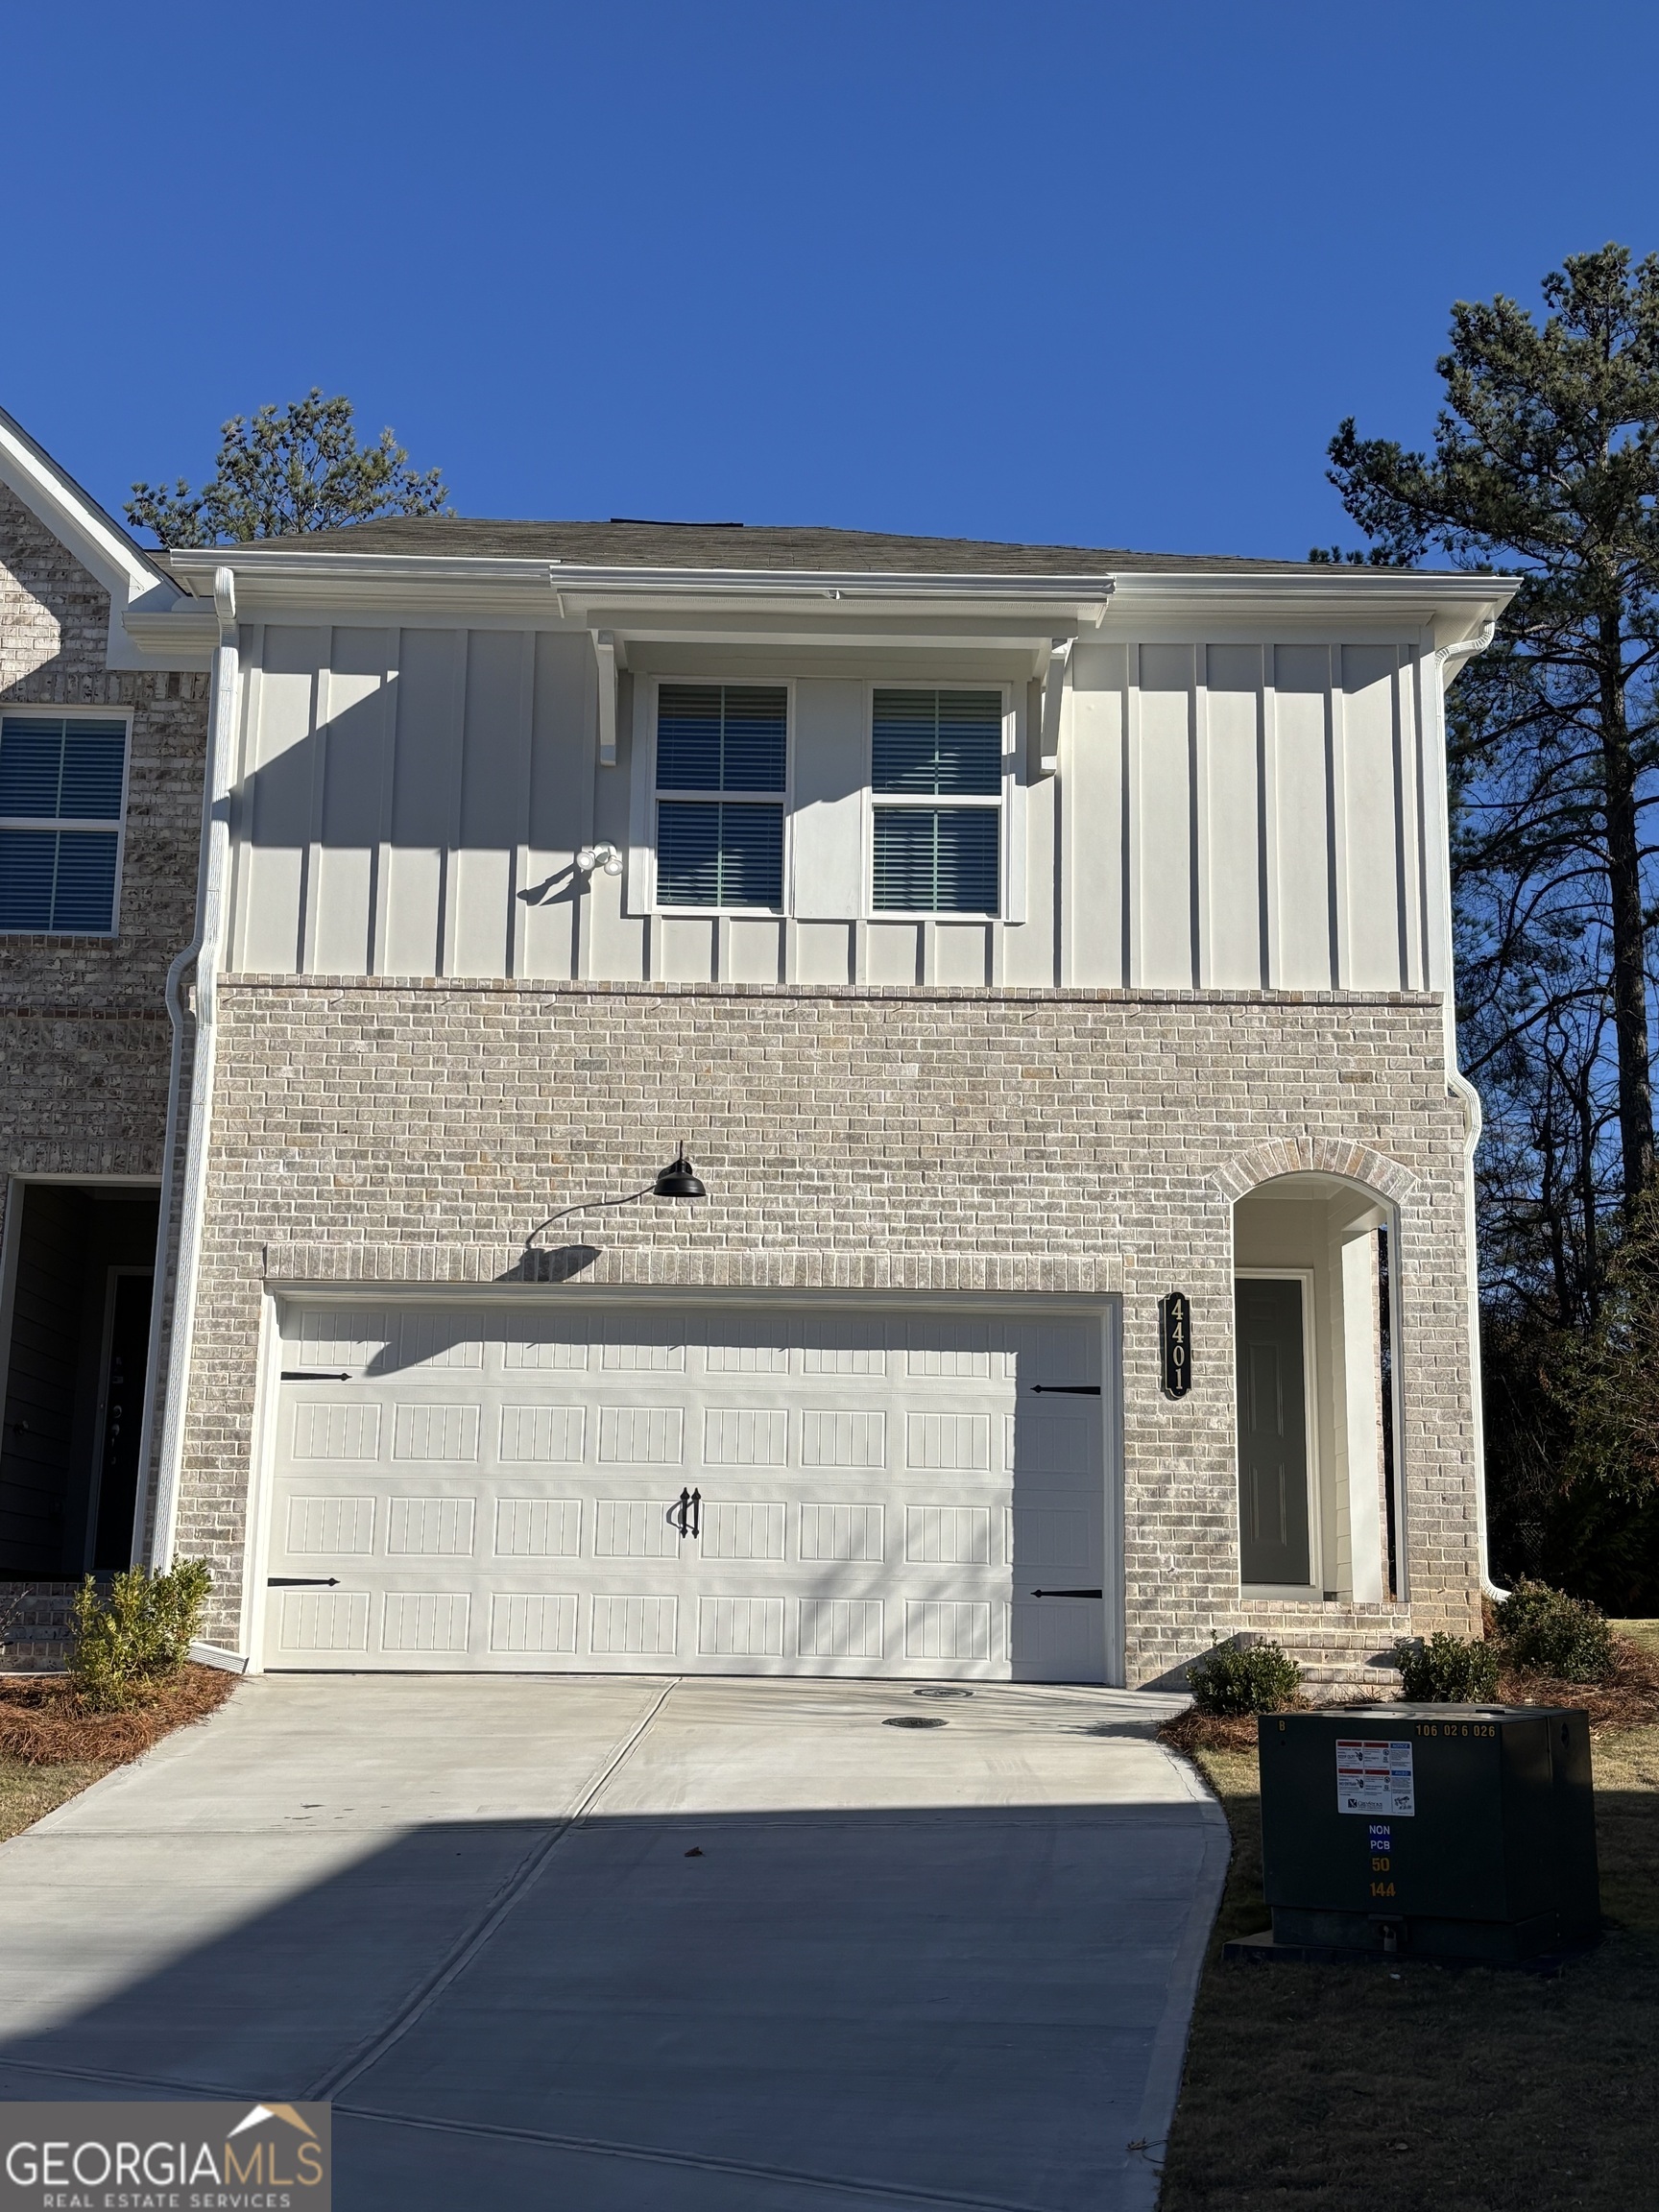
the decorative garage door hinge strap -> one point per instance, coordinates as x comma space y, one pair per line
301, 1582
1067, 1389
1067, 1592
316, 1374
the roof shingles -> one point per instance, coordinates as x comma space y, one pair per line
739, 546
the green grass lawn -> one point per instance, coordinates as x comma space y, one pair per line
1421, 2089
28, 1793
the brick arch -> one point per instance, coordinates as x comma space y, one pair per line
1314, 1155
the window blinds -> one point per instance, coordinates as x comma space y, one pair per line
933, 744
729, 738
61, 781
938, 743
936, 860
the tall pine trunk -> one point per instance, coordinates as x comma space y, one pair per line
1630, 937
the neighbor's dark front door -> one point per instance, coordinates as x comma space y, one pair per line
123, 1419
1273, 1432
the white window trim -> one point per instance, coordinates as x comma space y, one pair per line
1010, 878
48, 711
1312, 1591
641, 880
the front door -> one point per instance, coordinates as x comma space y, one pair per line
1273, 1432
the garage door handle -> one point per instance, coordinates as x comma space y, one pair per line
687, 1513
1067, 1592
301, 1582
1066, 1389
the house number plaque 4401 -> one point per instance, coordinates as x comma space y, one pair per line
1175, 1342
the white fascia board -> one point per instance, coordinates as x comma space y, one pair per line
1453, 604
291, 578
863, 608
131, 577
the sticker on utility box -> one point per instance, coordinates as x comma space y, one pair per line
1374, 1777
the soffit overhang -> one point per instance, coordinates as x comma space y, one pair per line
851, 609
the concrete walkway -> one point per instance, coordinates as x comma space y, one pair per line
607, 1943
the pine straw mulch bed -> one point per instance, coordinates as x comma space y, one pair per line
44, 1723
1629, 1698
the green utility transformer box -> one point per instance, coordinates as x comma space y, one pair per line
1437, 1830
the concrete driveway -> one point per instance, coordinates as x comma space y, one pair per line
691, 1945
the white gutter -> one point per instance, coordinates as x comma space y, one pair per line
203, 948
1450, 663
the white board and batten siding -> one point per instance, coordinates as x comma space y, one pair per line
880, 1493
1250, 816
1225, 816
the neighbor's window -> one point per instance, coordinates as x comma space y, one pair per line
63, 779
928, 746
721, 753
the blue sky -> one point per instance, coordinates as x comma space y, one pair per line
1103, 274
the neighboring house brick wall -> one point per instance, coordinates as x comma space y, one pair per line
84, 1039
944, 1139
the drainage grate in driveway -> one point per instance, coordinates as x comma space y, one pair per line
914, 1721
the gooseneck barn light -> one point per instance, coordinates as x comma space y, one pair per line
675, 1181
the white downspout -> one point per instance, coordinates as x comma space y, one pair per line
204, 949
1471, 1097
1461, 1087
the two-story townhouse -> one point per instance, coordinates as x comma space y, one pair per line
1043, 956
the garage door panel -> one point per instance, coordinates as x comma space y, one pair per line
330, 1524
746, 1436
441, 1430
875, 1492
948, 1628
322, 1623
433, 1622
954, 1535
744, 1528
533, 1623
841, 1628
636, 1528
532, 1526
840, 1534
956, 1443
547, 1346
346, 1429
853, 1346
745, 1627
542, 1434
634, 1626
429, 1528
641, 1435
845, 1437
439, 1341
641, 1343
332, 1337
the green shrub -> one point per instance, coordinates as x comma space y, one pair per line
1227, 1681
127, 1640
1448, 1670
1554, 1634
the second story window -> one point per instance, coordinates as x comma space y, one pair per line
936, 768
62, 790
722, 754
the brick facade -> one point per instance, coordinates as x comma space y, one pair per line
84, 1039
890, 1139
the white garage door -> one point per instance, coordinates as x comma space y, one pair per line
693, 1489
